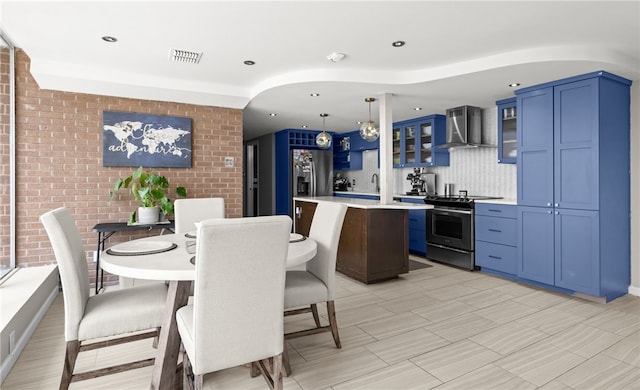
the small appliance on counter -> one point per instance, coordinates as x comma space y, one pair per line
340, 183
422, 183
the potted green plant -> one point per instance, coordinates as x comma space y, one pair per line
150, 189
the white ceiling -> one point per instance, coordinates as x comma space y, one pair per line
456, 53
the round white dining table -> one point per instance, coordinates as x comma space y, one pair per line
176, 267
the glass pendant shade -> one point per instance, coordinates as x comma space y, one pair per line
323, 140
369, 131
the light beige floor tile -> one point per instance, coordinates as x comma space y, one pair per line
321, 345
489, 377
485, 298
468, 275
391, 326
401, 376
508, 338
326, 372
486, 282
451, 292
555, 385
550, 321
516, 289
396, 291
455, 360
584, 340
615, 321
409, 303
461, 327
541, 299
540, 363
580, 307
361, 315
626, 350
444, 310
356, 301
239, 378
628, 303
602, 372
504, 312
437, 282
406, 345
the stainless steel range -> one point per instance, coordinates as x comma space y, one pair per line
450, 229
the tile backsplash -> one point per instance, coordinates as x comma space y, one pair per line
473, 169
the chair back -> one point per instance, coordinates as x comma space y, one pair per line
326, 227
239, 290
72, 265
188, 211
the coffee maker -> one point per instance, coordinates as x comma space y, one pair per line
422, 183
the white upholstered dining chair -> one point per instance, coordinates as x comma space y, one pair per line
307, 288
236, 314
188, 211
113, 314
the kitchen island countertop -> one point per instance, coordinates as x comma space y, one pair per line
365, 203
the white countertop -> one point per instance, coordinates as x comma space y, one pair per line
365, 203
355, 193
499, 201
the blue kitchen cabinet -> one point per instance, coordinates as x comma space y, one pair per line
535, 146
344, 157
496, 237
416, 142
417, 228
359, 144
574, 184
507, 131
536, 240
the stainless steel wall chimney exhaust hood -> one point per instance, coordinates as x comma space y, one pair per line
464, 128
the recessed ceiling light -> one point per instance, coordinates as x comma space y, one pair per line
314, 94
273, 114
417, 109
249, 62
513, 85
398, 43
109, 39
304, 126
359, 122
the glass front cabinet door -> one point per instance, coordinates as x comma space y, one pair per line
416, 141
507, 131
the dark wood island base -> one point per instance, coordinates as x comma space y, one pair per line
373, 244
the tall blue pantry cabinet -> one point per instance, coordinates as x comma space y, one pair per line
574, 184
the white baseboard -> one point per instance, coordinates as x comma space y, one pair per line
21, 343
633, 290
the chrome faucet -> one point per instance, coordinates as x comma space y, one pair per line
374, 179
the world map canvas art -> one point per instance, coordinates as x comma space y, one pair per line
133, 139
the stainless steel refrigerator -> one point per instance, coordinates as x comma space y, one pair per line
312, 172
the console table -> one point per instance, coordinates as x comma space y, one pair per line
106, 230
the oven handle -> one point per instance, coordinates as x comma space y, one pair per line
454, 211
449, 248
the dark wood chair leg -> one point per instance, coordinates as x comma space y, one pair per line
316, 317
73, 348
198, 382
254, 371
187, 384
277, 372
286, 367
331, 311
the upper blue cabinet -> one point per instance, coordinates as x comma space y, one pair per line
416, 142
507, 131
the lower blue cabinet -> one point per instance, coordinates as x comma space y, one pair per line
417, 228
496, 237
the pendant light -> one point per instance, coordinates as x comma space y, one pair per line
323, 140
369, 131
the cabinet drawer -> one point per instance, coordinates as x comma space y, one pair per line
498, 257
496, 210
497, 230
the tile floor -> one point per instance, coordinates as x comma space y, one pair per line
434, 328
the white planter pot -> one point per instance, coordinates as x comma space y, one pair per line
148, 215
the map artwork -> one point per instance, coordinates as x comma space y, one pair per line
132, 140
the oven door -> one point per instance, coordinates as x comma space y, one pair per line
450, 227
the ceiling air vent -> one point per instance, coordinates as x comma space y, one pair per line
190, 57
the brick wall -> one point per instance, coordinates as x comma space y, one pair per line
59, 161
4, 156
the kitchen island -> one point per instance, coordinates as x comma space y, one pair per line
373, 243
